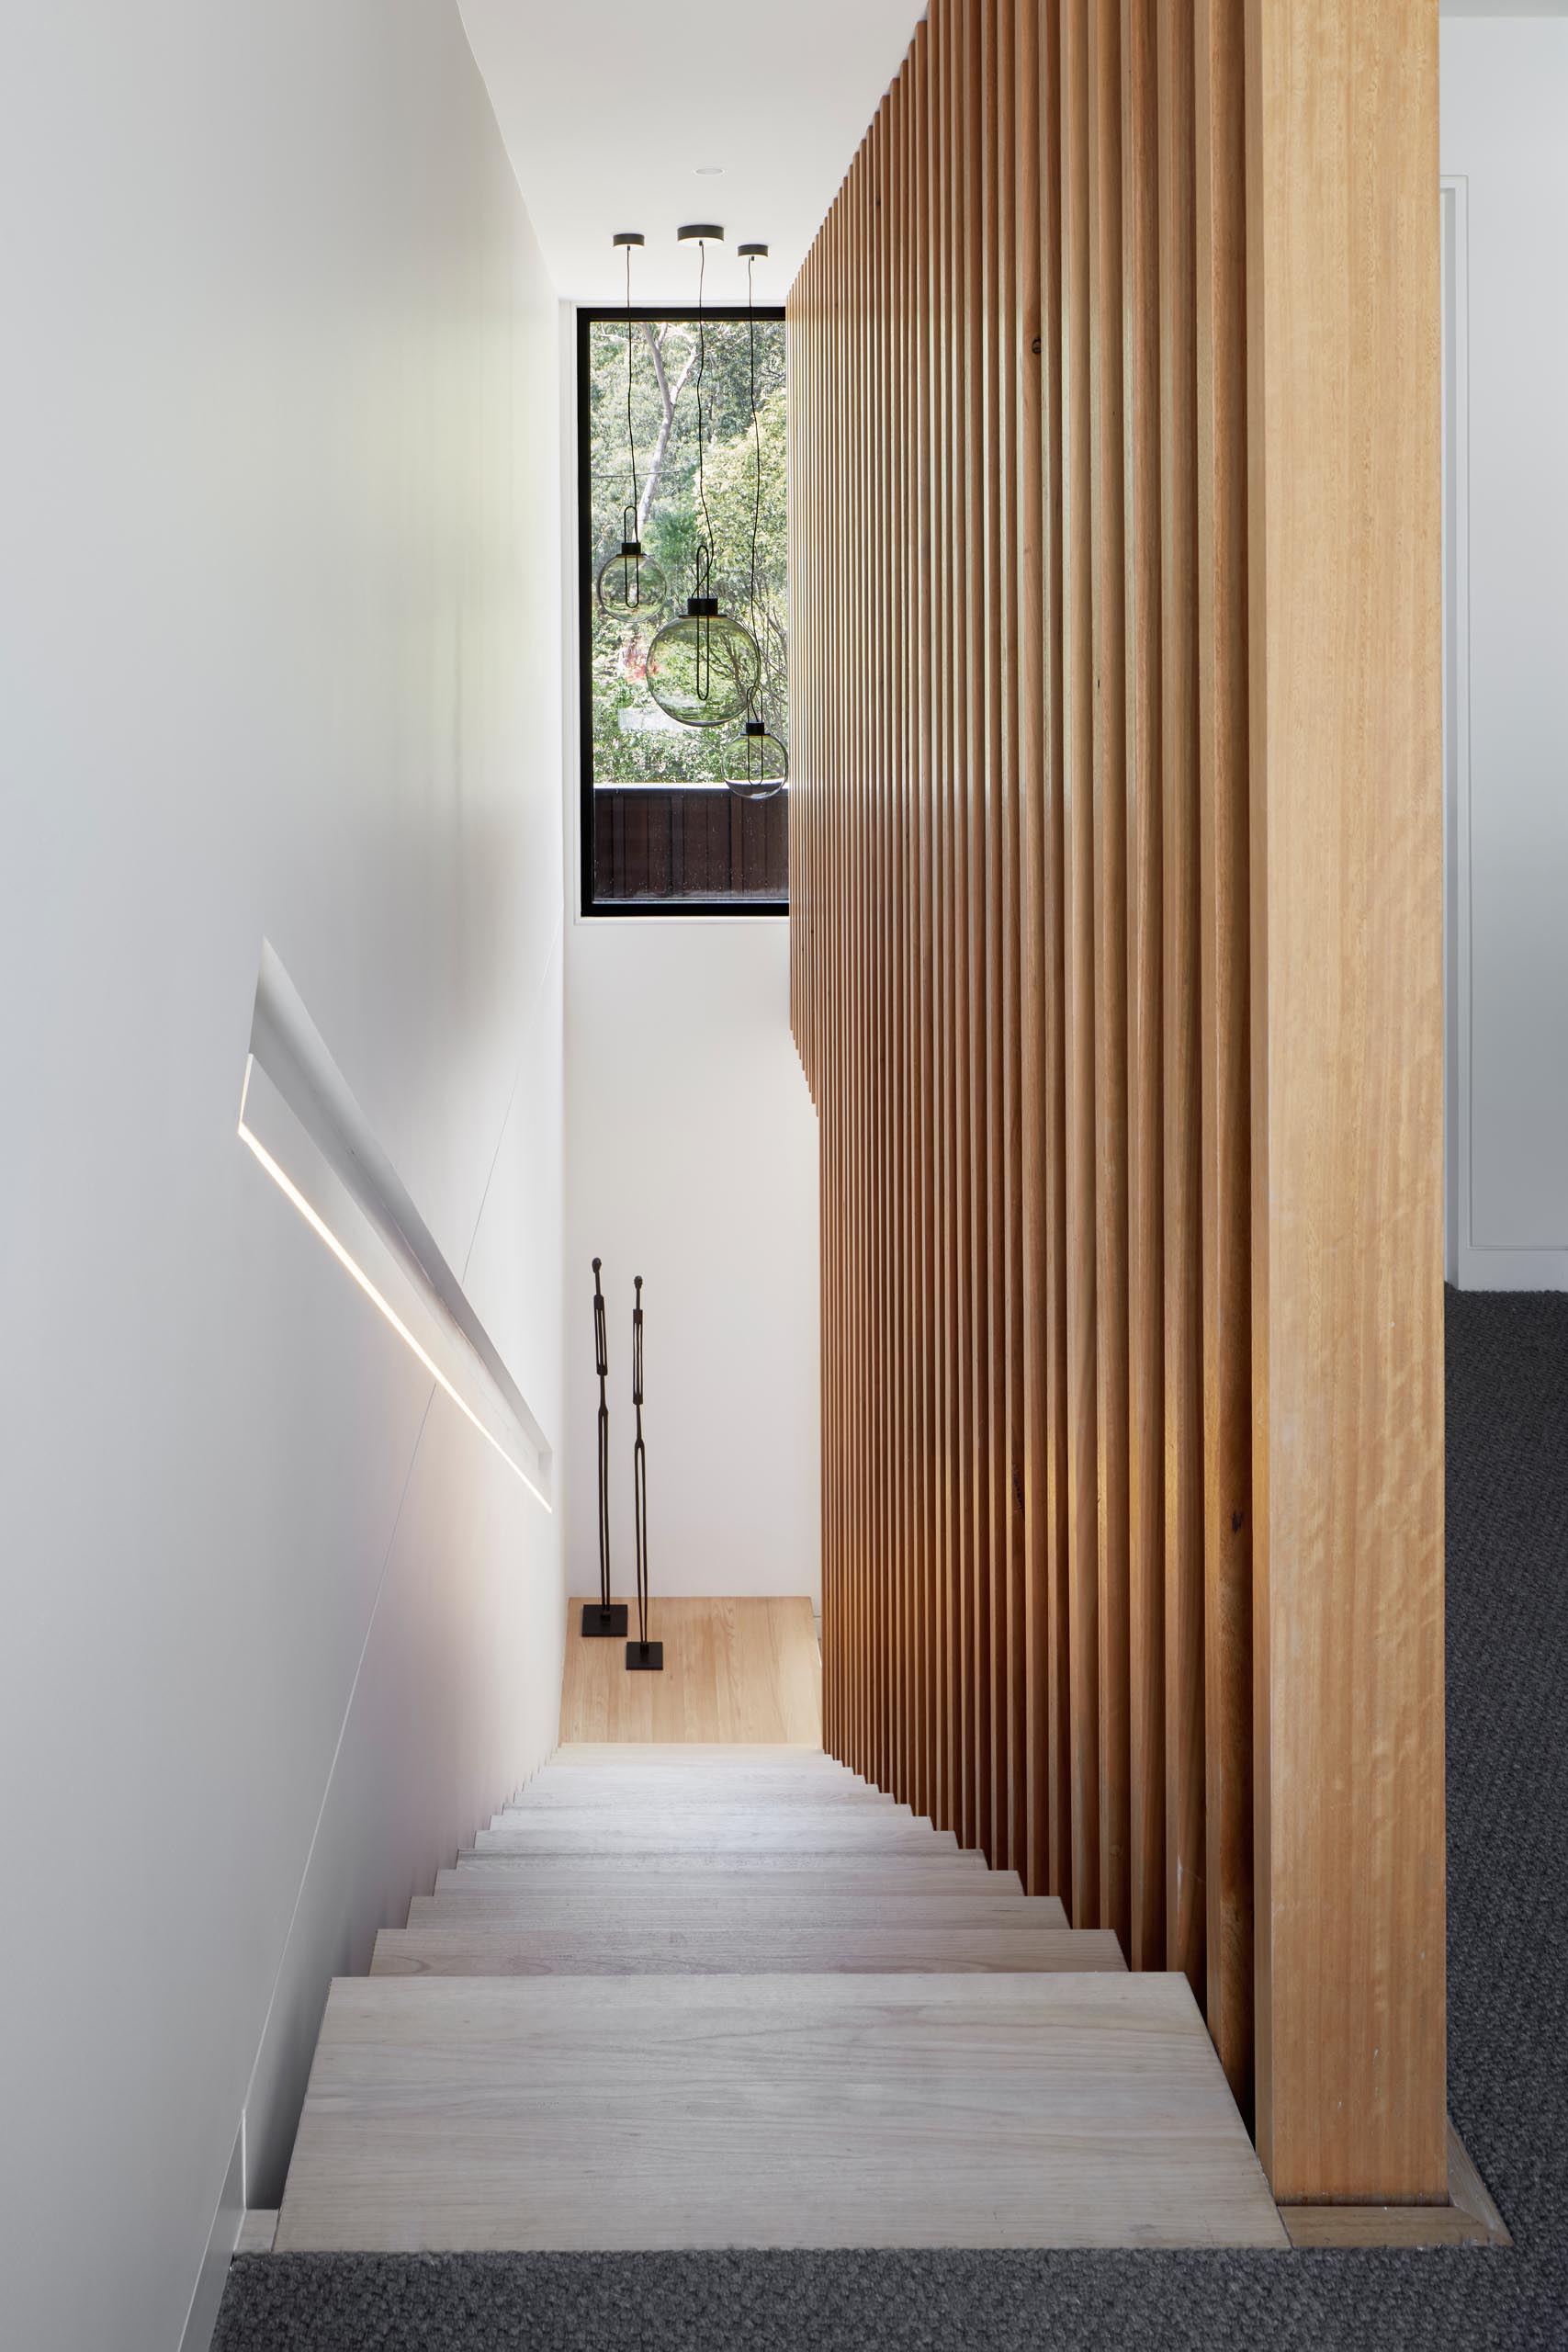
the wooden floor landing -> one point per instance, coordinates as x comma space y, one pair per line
734, 1671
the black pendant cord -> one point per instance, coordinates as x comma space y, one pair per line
639, 1471
704, 665
631, 519
701, 607
631, 436
601, 1357
762, 780
756, 476
702, 367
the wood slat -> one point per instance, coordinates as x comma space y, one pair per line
1112, 1323
1146, 989
1182, 1097
1079, 1171
1225, 982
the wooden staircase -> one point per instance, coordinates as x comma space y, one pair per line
687, 1996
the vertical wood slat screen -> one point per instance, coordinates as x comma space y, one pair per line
1057, 395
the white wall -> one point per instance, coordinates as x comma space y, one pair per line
691, 1160
279, 654
1505, 136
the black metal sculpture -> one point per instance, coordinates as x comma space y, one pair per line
643, 1656
604, 1617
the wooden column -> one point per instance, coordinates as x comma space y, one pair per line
1347, 1094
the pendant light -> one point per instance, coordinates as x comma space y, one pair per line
766, 761
703, 668
630, 584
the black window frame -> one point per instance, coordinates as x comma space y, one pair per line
657, 909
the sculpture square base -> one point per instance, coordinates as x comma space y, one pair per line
605, 1624
644, 1658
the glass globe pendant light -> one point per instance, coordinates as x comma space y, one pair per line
766, 771
703, 668
763, 760
630, 582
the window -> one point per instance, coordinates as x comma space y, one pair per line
664, 831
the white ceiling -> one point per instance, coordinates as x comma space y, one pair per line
609, 107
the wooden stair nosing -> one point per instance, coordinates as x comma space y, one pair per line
477, 1950
722, 1907
683, 1792
738, 1836
852, 1873
583, 1754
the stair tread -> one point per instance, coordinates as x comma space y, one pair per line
583, 1756
736, 1829
745, 1948
598, 1792
715, 1904
855, 1873
471, 2113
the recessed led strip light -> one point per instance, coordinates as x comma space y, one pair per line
294, 1106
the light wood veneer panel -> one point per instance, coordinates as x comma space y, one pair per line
1345, 646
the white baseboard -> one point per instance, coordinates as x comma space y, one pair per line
202, 2317
1512, 1269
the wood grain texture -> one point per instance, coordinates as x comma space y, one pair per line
739, 1829
981, 2109
1181, 1098
1345, 671
1107, 721
734, 1671
1078, 975
1470, 2217
1112, 836
747, 1948
673, 1899
818, 1782
1224, 951
1145, 987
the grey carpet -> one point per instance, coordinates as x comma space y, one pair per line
1507, 1652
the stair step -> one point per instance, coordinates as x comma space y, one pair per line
604, 1792
937, 1873
715, 1904
473, 2113
733, 1948
736, 1829
734, 1756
